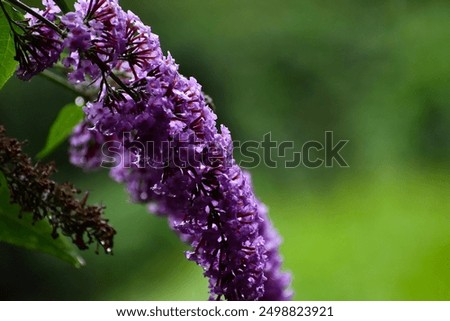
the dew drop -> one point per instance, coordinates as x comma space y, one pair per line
45, 195
79, 101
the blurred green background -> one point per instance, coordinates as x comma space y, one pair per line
375, 72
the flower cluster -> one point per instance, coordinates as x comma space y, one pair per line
38, 42
143, 98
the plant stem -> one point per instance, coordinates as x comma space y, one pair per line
105, 69
61, 81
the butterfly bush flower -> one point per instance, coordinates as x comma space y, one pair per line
173, 157
38, 45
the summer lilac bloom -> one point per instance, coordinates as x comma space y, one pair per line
175, 158
38, 46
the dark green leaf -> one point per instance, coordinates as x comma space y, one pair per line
7, 51
69, 116
63, 5
22, 232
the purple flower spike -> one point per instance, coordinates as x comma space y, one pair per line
189, 174
155, 126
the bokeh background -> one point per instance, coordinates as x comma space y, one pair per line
374, 72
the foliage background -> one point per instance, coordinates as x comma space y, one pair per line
374, 72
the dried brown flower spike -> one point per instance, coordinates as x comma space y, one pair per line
33, 190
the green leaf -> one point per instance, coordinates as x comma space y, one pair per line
63, 5
7, 51
22, 232
69, 116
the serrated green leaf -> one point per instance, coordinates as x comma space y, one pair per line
7, 51
22, 232
69, 116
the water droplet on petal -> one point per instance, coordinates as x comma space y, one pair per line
79, 101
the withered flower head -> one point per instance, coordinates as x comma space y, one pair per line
33, 190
